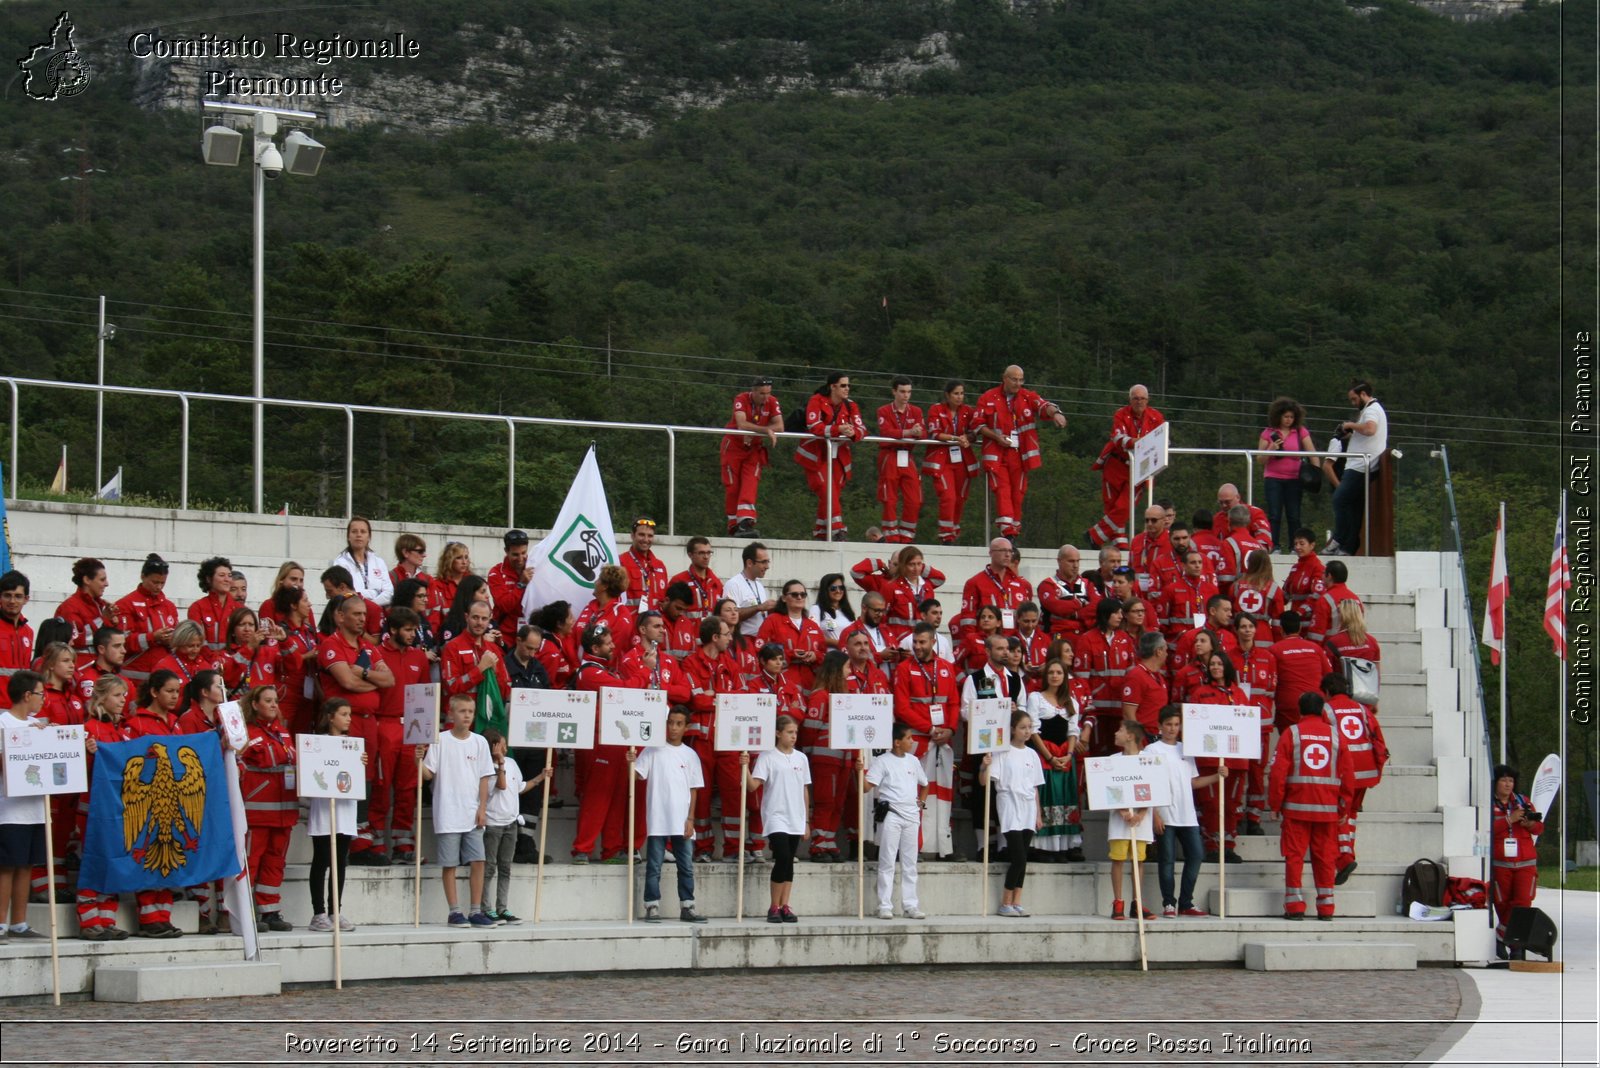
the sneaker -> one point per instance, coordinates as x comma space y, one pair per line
620, 858
1116, 911
1212, 857
274, 921
1018, 910
703, 858
322, 922
886, 914
146, 930
492, 914
1294, 915
688, 915
479, 920
788, 915
1253, 829
1344, 874
345, 925
1192, 912
1146, 913
115, 934
580, 858
652, 914
774, 915
755, 856
509, 919
30, 933
95, 934
1007, 910
1332, 548
1326, 919
456, 920
1169, 912
915, 914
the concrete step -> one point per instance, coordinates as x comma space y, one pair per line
1382, 837
1389, 612
1405, 788
1401, 652
1410, 738
1264, 901
1329, 956
182, 982
185, 917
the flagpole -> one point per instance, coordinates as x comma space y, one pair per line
1561, 744
1505, 649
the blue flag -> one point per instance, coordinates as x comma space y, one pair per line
5, 526
158, 815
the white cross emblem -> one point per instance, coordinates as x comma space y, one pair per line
1350, 727
1316, 756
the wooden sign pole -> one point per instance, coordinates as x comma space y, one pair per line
1138, 903
544, 824
50, 896
628, 845
983, 874
333, 875
862, 815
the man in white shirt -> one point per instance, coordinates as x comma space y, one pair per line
1180, 824
902, 786
746, 591
1369, 439
671, 774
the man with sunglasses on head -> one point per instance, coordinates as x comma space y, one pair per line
649, 586
508, 583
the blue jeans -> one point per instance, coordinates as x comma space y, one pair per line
1166, 858
655, 853
1283, 502
1349, 506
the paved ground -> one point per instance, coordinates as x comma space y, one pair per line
1328, 1018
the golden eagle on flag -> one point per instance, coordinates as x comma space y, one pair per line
154, 813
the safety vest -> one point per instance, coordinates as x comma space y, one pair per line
1313, 782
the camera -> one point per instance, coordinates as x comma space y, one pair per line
270, 160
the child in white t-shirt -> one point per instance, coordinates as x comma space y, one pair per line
22, 844
462, 770
1017, 775
500, 834
671, 774
1123, 824
1180, 825
902, 788
786, 775
331, 832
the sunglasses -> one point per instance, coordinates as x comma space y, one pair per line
795, 593
600, 628
651, 523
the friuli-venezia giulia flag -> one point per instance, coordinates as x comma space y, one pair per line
158, 815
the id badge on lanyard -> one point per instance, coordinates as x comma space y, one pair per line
955, 454
902, 457
288, 779
1008, 619
1510, 846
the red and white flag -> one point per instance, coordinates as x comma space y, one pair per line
1494, 612
1555, 601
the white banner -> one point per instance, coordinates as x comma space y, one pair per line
633, 717
990, 729
1546, 784
231, 715
746, 722
1222, 732
1150, 454
1124, 781
47, 760
552, 719
330, 766
421, 726
581, 541
860, 721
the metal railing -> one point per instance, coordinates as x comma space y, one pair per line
185, 398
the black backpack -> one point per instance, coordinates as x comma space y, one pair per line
1424, 882
794, 420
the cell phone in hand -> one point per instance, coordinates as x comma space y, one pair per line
364, 660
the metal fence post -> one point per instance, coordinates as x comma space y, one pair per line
183, 461
511, 473
672, 482
349, 461
1249, 478
827, 531
16, 414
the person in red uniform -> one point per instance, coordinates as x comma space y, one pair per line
899, 480
999, 585
744, 456
555, 622
1360, 734
353, 668
742, 648
392, 789
251, 658
267, 782
831, 416
1035, 645
1209, 544
215, 605
474, 656
602, 771
1354, 641
1130, 423
1221, 687
63, 707
1325, 610
701, 580
1301, 666
1068, 598
107, 706
16, 633
1256, 593
709, 672
1305, 581
1237, 546
927, 698
870, 624
652, 661
972, 647
782, 681
952, 464
1183, 601
1150, 555
647, 575
148, 616
1312, 784
1222, 522
904, 581
1189, 673
831, 782
297, 658
1144, 685
1514, 836
508, 581
410, 554
1257, 671
610, 606
159, 699
683, 631
204, 695
1007, 420
790, 627
1219, 621
87, 609
110, 654
454, 565
1104, 656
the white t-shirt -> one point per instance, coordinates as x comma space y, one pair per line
1040, 710
1365, 449
669, 772
897, 779
745, 592
344, 814
1017, 775
503, 804
1143, 831
832, 623
941, 646
1183, 770
783, 796
458, 765
19, 810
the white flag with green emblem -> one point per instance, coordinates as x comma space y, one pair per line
582, 541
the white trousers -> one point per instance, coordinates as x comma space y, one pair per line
897, 839
939, 764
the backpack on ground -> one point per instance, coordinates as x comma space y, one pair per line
1425, 882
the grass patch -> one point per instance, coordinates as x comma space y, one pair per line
1578, 879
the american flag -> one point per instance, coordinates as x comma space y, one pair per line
1555, 605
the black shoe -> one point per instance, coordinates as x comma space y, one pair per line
1253, 829
1501, 951
1325, 919
527, 852
1075, 855
1232, 858
840, 535
1294, 915
274, 921
1212, 856
369, 858
1344, 874
871, 851
948, 858
556, 802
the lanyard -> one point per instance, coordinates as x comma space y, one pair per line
1000, 587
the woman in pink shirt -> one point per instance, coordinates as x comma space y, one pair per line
1284, 438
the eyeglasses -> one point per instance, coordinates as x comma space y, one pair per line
835, 589
795, 593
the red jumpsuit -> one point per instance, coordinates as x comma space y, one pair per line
96, 909
952, 466
1126, 429
297, 665
647, 587
363, 709
1325, 611
1361, 735
743, 456
1068, 606
1182, 602
603, 773
1014, 418
141, 615
87, 615
827, 422
155, 906
1259, 527
1006, 591
244, 668
801, 635
1304, 585
1258, 677
1103, 659
1516, 864
266, 779
1236, 550
833, 782
707, 591
899, 480
392, 765
708, 676
1301, 666
1208, 798
16, 652
1312, 785
505, 591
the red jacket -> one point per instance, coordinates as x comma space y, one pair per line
1005, 591
265, 766
411, 667
683, 636
505, 590
212, 612
188, 669
883, 649
1146, 690
1017, 415
556, 664
1340, 648
841, 424
1301, 666
441, 595
1126, 429
1210, 547
1236, 549
1524, 833
459, 670
1258, 676
900, 596
708, 676
141, 615
786, 688
1068, 606
960, 421
64, 708
648, 585
16, 652
150, 721
796, 636
893, 424
1325, 611
1258, 525
1153, 562
616, 615
707, 591
87, 615
1312, 777
1361, 735
1035, 650
1304, 585
1208, 694
1181, 601
872, 680
926, 696
667, 675
1104, 661
1266, 605
194, 721
736, 447
243, 668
